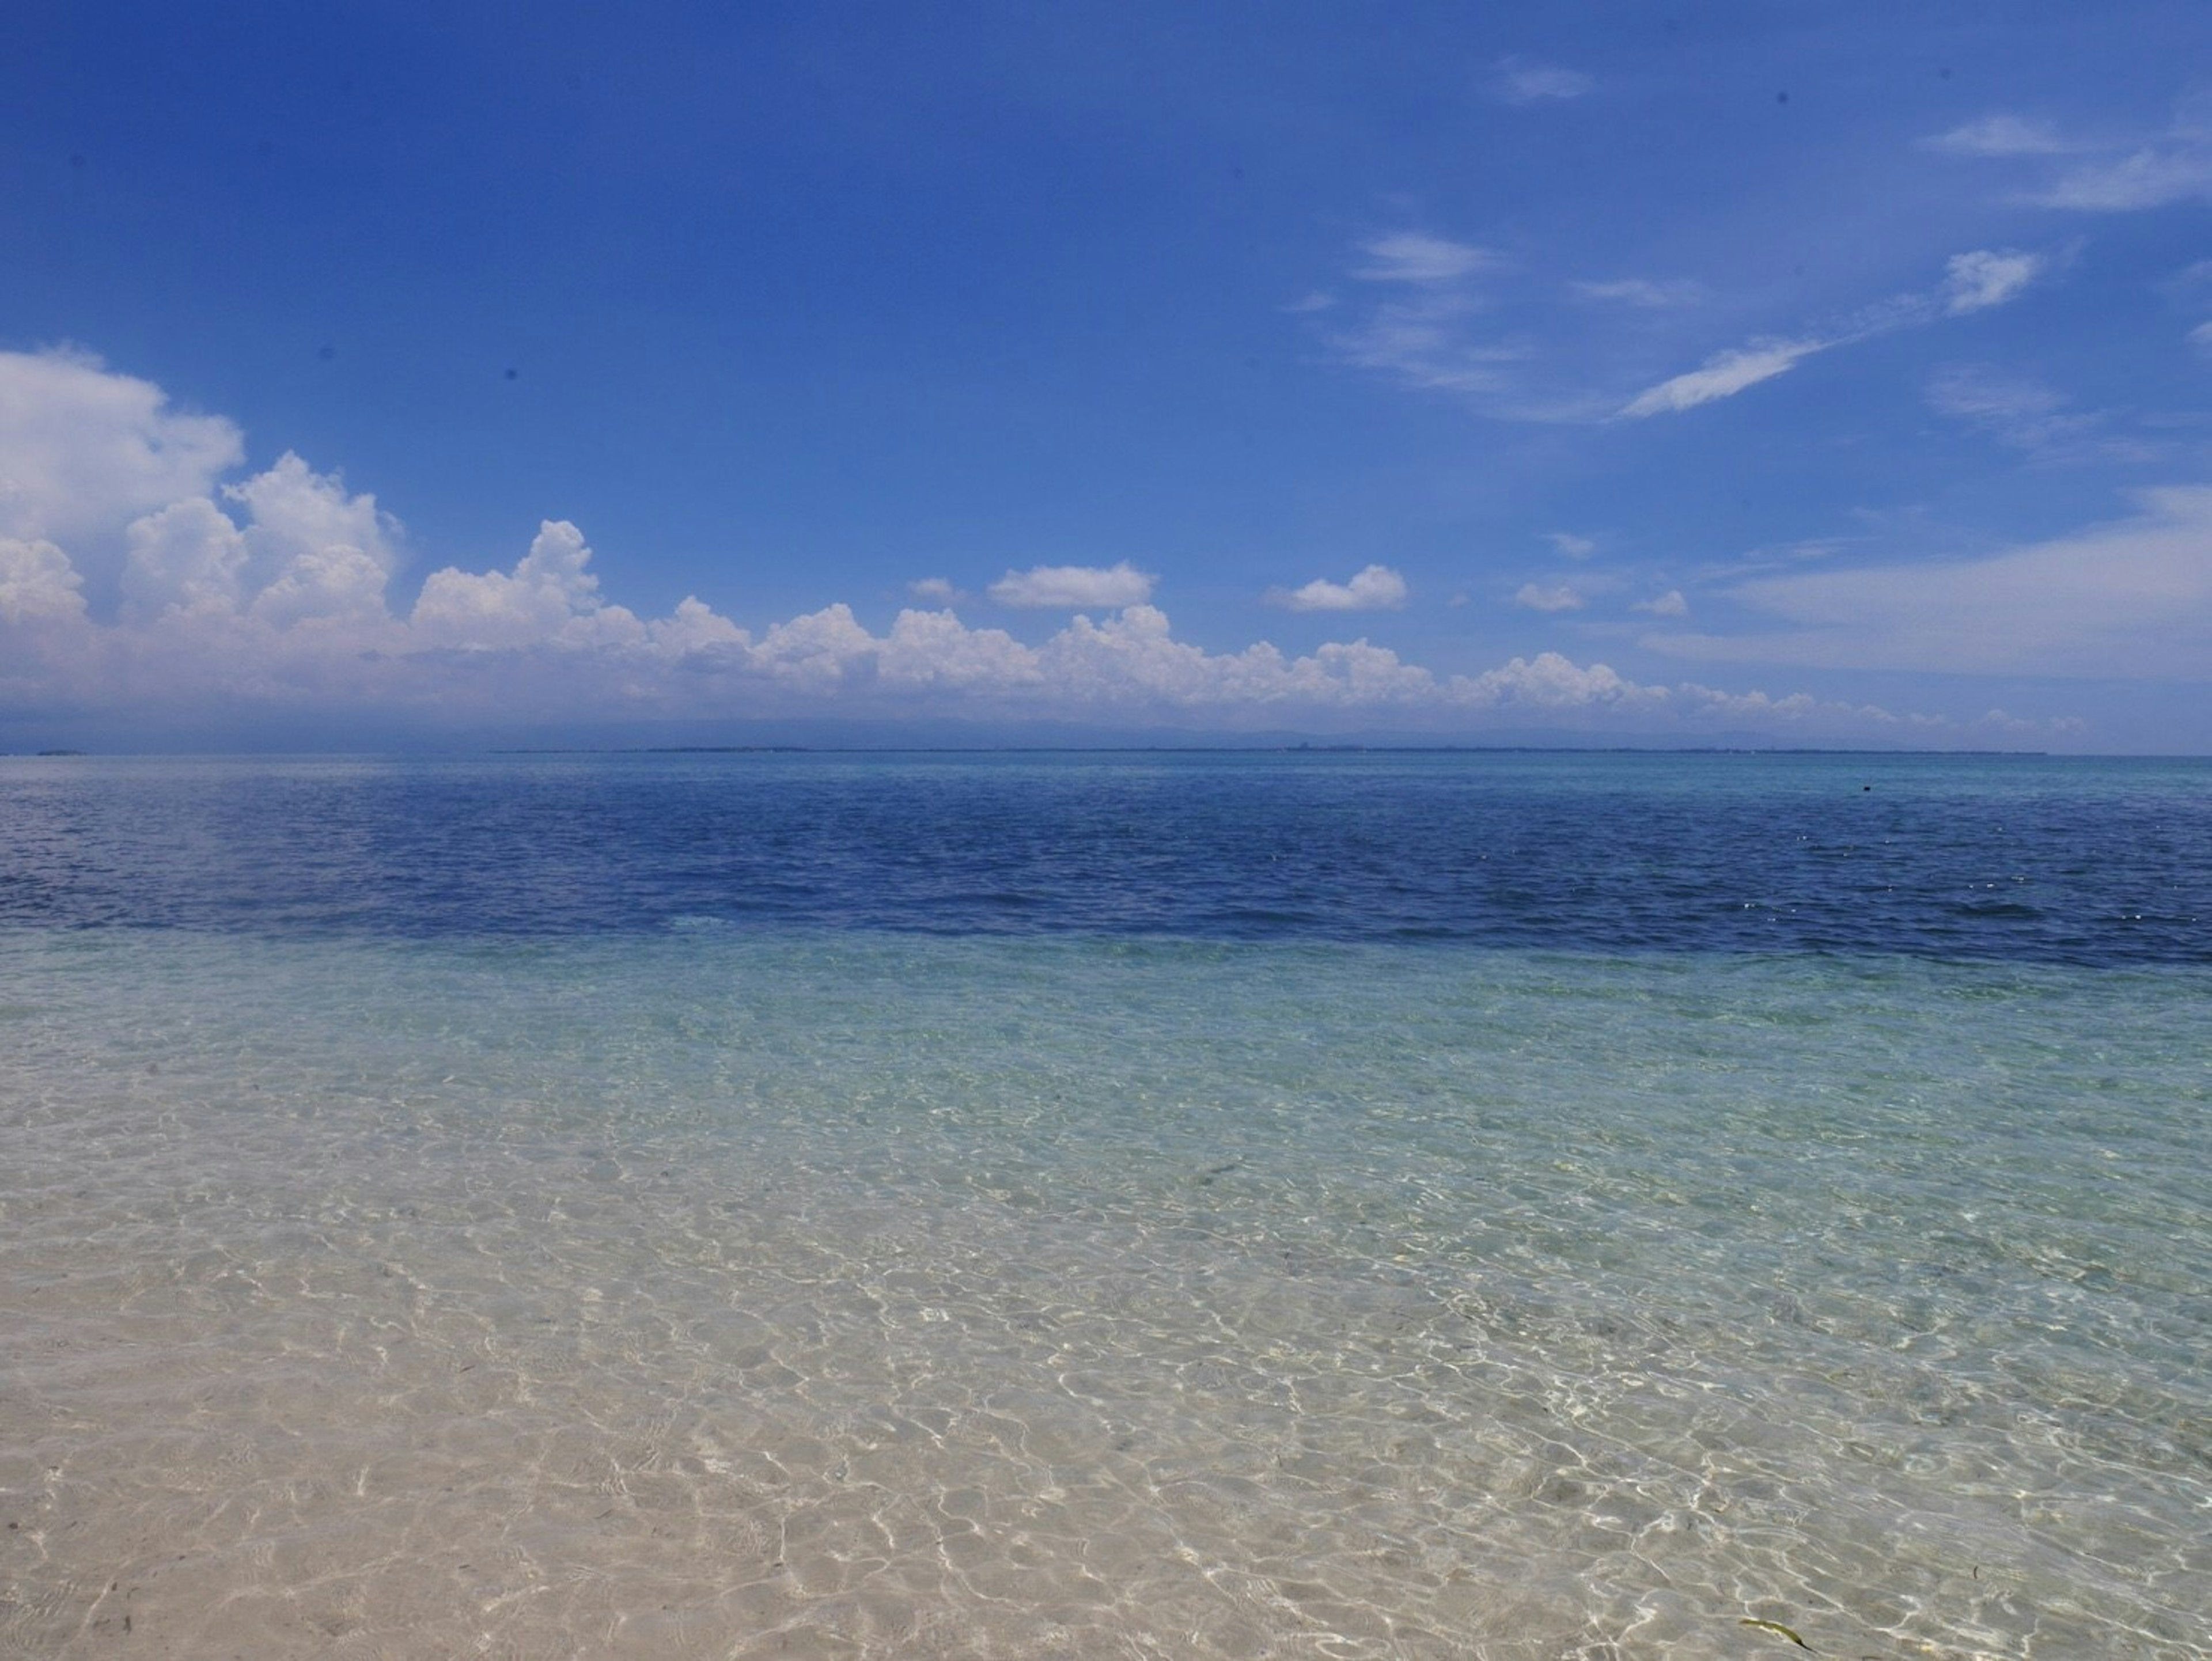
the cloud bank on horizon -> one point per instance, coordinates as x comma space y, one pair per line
277, 592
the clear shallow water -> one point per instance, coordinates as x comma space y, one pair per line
376, 1283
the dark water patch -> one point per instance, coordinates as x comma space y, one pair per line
2062, 861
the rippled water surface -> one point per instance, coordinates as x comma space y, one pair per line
1512, 1206
1993, 856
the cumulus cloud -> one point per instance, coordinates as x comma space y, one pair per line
2126, 600
1516, 81
1548, 596
1375, 588
1074, 587
937, 591
295, 511
84, 451
188, 557
1723, 375
547, 598
37, 583
1669, 604
273, 593
335, 584
1986, 277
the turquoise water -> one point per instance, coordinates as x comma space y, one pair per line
735, 1286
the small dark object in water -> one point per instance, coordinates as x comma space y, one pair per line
1776, 1626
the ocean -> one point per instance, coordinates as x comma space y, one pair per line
1151, 1204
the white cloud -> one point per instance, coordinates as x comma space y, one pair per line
1548, 680
37, 583
818, 651
693, 630
1376, 588
1669, 604
1574, 547
2176, 166
937, 591
2201, 337
297, 513
1518, 82
84, 451
2148, 178
1644, 291
1420, 322
1973, 282
2127, 601
2014, 409
549, 597
335, 583
1987, 277
1723, 375
1074, 587
936, 649
1419, 334
188, 556
1555, 596
286, 611
1422, 343
1415, 257
2000, 135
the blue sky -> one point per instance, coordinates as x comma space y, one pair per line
1774, 371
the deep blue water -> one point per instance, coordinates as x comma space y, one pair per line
2087, 862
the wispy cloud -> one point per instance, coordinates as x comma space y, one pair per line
2014, 409
1574, 547
2099, 176
1376, 588
1424, 343
1644, 291
1417, 257
935, 590
2150, 177
1987, 277
1669, 604
1723, 375
2124, 601
1074, 587
1518, 80
1418, 331
1973, 282
2000, 135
